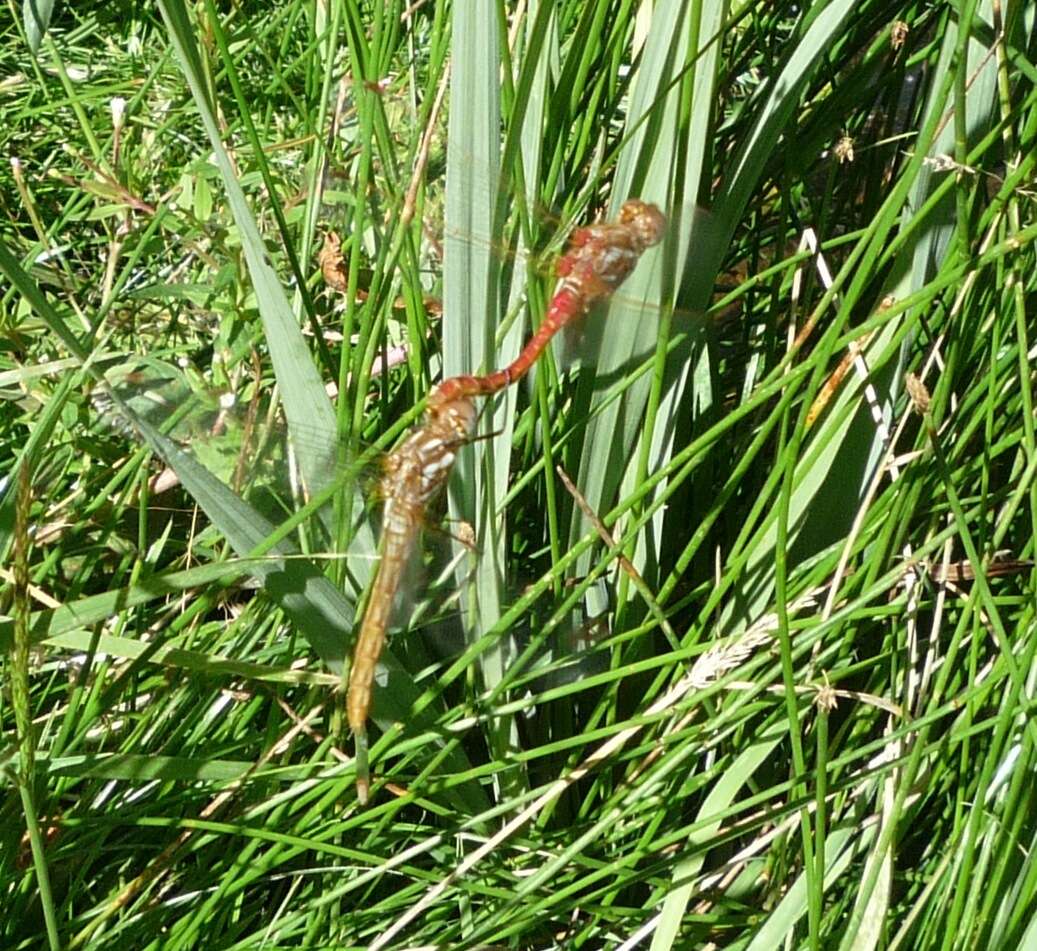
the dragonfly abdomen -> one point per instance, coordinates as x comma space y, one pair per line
415, 473
398, 538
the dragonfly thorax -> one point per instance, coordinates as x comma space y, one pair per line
417, 470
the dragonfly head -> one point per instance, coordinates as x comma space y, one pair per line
454, 421
646, 222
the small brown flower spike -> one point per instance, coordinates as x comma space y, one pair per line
332, 264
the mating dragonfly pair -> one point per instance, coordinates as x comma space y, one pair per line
599, 258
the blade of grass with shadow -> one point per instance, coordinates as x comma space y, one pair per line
306, 405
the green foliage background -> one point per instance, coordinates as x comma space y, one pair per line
785, 703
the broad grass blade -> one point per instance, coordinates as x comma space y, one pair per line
658, 164
302, 392
472, 313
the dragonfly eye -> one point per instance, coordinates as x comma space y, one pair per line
646, 221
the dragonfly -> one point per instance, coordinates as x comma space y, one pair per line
599, 258
415, 473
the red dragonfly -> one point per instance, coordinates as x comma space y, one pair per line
600, 257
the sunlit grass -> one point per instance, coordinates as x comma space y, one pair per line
829, 740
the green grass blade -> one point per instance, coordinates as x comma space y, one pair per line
305, 402
687, 871
36, 16
471, 281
